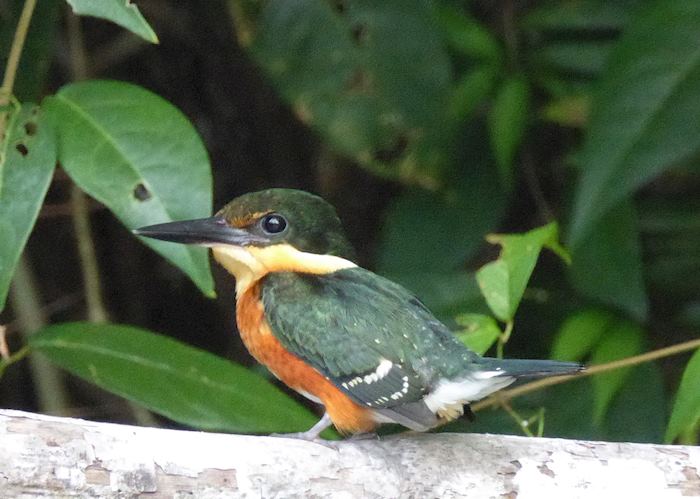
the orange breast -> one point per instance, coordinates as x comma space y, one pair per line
347, 416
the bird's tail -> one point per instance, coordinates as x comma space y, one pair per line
525, 368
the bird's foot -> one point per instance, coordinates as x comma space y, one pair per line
312, 434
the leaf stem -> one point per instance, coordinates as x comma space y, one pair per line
503, 338
519, 420
8, 81
96, 309
506, 395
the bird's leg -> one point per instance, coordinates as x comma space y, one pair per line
312, 433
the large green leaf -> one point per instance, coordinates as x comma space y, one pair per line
121, 12
580, 333
644, 118
372, 77
178, 381
607, 266
686, 409
503, 281
623, 339
137, 154
27, 161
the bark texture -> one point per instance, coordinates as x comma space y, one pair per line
50, 456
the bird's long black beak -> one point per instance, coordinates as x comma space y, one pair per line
202, 231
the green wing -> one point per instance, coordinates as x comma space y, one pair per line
368, 335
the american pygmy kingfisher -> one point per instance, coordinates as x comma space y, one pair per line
360, 344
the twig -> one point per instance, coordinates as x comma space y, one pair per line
503, 338
506, 395
48, 381
4, 349
97, 312
8, 81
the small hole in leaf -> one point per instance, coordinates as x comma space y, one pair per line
141, 193
359, 33
394, 151
338, 6
30, 128
22, 149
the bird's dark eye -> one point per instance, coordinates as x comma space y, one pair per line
274, 223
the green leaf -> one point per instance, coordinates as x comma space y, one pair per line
638, 411
121, 12
686, 409
622, 340
467, 36
579, 15
644, 117
507, 124
503, 281
471, 90
373, 78
585, 58
480, 331
178, 381
27, 162
137, 154
607, 266
580, 333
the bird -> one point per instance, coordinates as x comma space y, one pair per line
358, 343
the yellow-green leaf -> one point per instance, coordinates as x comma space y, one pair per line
503, 281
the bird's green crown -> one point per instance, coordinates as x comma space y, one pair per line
297, 218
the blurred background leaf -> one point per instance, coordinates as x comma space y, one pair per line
643, 118
686, 408
623, 339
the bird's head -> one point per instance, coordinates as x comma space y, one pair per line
274, 230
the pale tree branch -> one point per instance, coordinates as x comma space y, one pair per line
50, 456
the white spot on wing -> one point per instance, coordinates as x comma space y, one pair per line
382, 370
